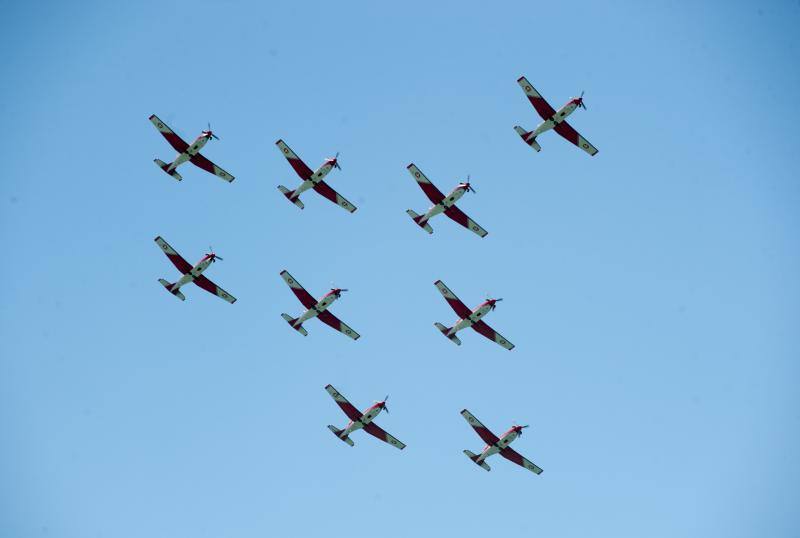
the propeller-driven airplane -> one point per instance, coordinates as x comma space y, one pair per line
191, 274
359, 420
553, 119
497, 445
312, 180
469, 318
188, 152
316, 309
444, 204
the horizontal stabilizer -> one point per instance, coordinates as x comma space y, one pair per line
420, 220
165, 167
444, 330
528, 138
474, 457
288, 194
168, 285
291, 321
338, 433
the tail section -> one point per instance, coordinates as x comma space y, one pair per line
453, 338
291, 321
165, 167
474, 457
528, 138
288, 194
420, 220
168, 285
338, 433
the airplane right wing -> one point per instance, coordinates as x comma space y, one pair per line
460, 217
570, 134
299, 166
542, 107
305, 297
378, 432
325, 190
203, 163
483, 328
430, 190
210, 287
488, 437
348, 408
329, 319
512, 455
176, 259
454, 302
174, 140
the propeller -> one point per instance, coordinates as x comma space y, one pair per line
580, 101
469, 186
383, 403
336, 161
214, 257
210, 133
494, 305
521, 428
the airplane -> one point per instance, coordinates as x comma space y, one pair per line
470, 319
187, 152
312, 180
555, 120
359, 420
495, 445
443, 203
191, 274
316, 309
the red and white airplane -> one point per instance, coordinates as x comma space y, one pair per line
444, 204
553, 119
312, 180
469, 318
359, 420
191, 273
316, 309
188, 152
497, 445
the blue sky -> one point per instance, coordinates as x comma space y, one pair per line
651, 291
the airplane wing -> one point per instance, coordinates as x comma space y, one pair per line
210, 287
454, 302
512, 455
176, 259
305, 297
201, 162
174, 140
430, 190
376, 431
492, 335
542, 107
567, 132
348, 408
488, 437
299, 166
325, 190
331, 320
460, 217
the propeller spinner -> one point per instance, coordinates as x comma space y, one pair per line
209, 133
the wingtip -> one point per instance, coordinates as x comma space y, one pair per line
410, 166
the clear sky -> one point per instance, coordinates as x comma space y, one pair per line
652, 291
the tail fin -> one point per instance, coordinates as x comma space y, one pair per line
288, 194
453, 338
528, 138
338, 433
165, 167
168, 285
420, 220
474, 457
291, 321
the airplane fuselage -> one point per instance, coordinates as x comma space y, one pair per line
190, 152
505, 440
368, 416
196, 271
322, 305
476, 315
318, 176
446, 203
560, 115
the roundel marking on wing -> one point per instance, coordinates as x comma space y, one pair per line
286, 150
160, 125
585, 145
527, 88
471, 419
503, 341
475, 228
291, 281
416, 174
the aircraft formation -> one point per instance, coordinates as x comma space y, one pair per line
319, 308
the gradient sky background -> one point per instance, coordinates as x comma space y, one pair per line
652, 291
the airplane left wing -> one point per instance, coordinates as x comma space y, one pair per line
299, 166
460, 217
332, 321
430, 190
348, 408
325, 190
378, 432
512, 455
492, 335
454, 302
174, 140
542, 107
210, 287
488, 437
305, 297
568, 133
176, 259
201, 162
